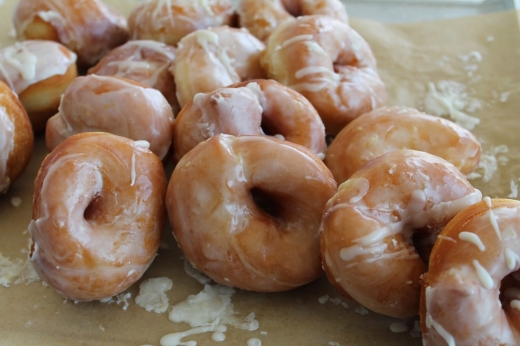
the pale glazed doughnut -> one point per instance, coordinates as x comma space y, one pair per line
261, 17
246, 211
327, 62
214, 58
382, 130
115, 105
460, 302
88, 27
253, 107
169, 21
39, 72
16, 138
367, 227
143, 61
98, 215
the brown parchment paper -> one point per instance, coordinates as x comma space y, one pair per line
409, 57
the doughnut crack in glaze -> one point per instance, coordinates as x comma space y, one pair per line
246, 211
468, 295
215, 58
327, 62
261, 17
98, 215
254, 107
370, 226
385, 129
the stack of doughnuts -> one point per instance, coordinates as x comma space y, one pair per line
253, 199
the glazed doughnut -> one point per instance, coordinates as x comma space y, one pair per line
460, 293
382, 130
98, 215
88, 27
16, 138
246, 211
254, 107
115, 105
367, 227
214, 58
327, 62
39, 72
143, 61
261, 17
170, 20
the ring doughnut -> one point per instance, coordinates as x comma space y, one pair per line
246, 211
382, 130
460, 302
98, 215
38, 72
214, 58
143, 61
169, 21
327, 62
367, 227
16, 138
88, 27
253, 107
261, 17
115, 105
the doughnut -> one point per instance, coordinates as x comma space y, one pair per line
214, 58
382, 130
98, 215
88, 27
39, 72
367, 230
246, 211
115, 105
16, 138
327, 62
261, 17
143, 61
461, 302
254, 107
169, 21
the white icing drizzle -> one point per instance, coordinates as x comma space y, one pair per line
363, 185
472, 238
311, 70
136, 144
430, 322
483, 276
512, 258
295, 39
399, 327
254, 342
152, 294
6, 147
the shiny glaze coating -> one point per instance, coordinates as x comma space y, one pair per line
98, 215
115, 105
327, 62
88, 27
215, 58
246, 211
249, 108
385, 129
367, 227
464, 301
261, 17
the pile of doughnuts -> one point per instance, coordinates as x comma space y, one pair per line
242, 104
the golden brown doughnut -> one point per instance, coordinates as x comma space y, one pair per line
169, 21
39, 72
246, 211
255, 107
460, 299
143, 61
115, 105
16, 138
382, 130
327, 62
367, 227
98, 215
261, 17
215, 58
88, 27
